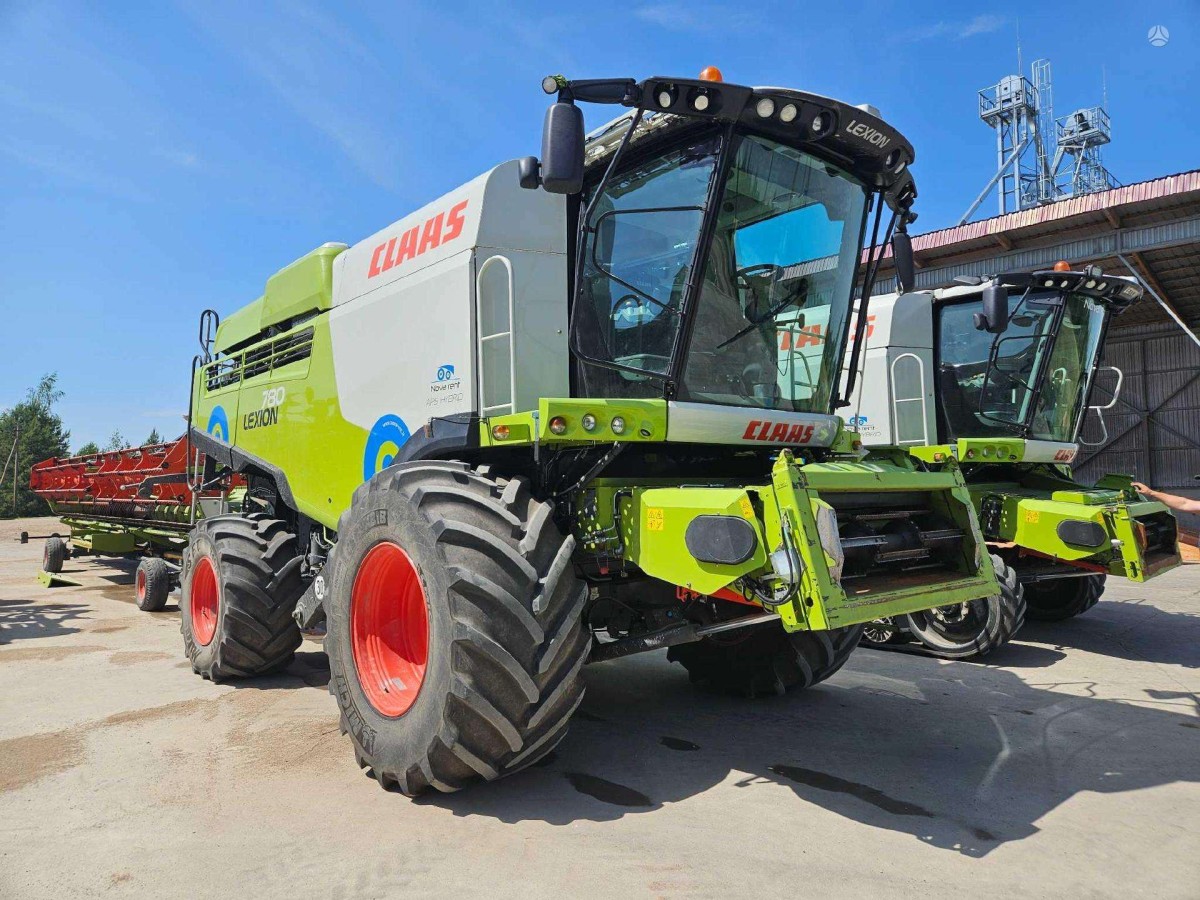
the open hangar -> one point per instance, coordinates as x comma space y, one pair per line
1150, 230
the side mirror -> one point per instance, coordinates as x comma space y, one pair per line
994, 318
562, 149
902, 255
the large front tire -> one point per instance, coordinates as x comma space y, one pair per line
455, 627
765, 659
975, 628
1064, 598
241, 581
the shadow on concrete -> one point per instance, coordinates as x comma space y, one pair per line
309, 669
1124, 630
1028, 656
962, 757
25, 619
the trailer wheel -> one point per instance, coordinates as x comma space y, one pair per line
455, 627
241, 581
54, 554
1063, 598
883, 632
766, 659
153, 584
975, 628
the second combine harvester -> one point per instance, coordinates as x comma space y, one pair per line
996, 375
541, 422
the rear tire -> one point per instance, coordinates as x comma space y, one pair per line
240, 583
765, 659
1063, 598
54, 554
152, 584
455, 627
976, 628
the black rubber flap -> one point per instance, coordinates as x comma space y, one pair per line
726, 540
1082, 534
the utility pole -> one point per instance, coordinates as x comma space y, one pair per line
16, 460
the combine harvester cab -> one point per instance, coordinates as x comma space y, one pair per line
137, 501
539, 423
996, 378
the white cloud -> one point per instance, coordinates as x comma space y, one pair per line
985, 23
697, 18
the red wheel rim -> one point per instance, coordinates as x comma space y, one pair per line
204, 602
141, 585
389, 629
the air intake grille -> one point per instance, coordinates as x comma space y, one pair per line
267, 357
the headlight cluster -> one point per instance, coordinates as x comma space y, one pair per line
985, 452
698, 99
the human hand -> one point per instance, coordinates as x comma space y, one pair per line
1141, 488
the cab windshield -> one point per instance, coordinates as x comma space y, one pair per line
771, 304
1031, 380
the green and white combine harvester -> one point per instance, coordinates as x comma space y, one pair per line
538, 423
995, 376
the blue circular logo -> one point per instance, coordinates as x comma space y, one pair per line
387, 436
218, 424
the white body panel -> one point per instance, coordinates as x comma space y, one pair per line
421, 320
1050, 452
701, 423
893, 402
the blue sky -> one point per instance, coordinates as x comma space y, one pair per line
160, 158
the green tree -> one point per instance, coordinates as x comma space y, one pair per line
87, 449
29, 432
116, 441
154, 438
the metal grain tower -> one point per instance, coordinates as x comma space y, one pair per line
1021, 112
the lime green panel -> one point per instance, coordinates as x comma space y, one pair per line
292, 419
663, 515
239, 327
1085, 497
982, 450
303, 287
645, 420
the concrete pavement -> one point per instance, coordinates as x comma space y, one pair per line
1067, 765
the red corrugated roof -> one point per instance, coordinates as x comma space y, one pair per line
1170, 185
1182, 183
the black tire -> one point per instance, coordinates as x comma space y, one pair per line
257, 572
503, 618
54, 554
1063, 598
967, 630
152, 584
883, 633
765, 659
